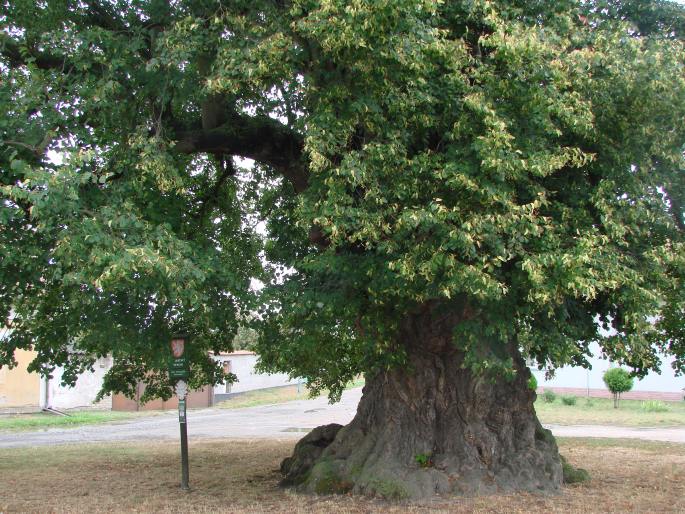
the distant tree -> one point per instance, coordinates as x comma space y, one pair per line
245, 338
618, 381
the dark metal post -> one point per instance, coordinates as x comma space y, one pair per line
184, 444
178, 371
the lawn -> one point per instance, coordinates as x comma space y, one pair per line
600, 411
242, 476
42, 420
273, 395
265, 397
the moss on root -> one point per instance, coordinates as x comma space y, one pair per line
388, 489
326, 480
332, 484
326, 477
573, 475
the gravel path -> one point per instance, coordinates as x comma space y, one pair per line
286, 420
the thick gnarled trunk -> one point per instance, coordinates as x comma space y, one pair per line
432, 428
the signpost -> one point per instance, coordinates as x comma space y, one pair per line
178, 363
179, 370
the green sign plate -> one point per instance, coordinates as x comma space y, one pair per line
178, 368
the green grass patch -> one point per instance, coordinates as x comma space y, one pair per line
273, 396
269, 396
654, 406
600, 411
569, 400
22, 422
548, 396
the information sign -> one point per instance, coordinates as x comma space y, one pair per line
178, 363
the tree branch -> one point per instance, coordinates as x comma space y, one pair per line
37, 150
12, 51
254, 137
676, 209
99, 15
260, 138
210, 199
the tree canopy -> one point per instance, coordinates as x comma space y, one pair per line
519, 161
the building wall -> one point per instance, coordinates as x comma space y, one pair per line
242, 365
195, 399
83, 394
575, 377
18, 387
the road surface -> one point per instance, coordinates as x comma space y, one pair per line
285, 420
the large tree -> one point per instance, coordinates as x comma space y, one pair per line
447, 188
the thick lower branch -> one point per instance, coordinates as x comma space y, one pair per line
15, 56
254, 137
676, 209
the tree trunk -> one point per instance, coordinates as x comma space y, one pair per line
432, 427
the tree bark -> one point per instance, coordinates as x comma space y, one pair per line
432, 427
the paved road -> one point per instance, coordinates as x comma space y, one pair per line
286, 420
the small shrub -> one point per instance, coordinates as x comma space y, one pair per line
532, 383
654, 406
618, 380
568, 400
549, 396
423, 460
589, 402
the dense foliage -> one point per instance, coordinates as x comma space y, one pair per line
520, 161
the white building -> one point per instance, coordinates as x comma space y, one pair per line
54, 395
242, 364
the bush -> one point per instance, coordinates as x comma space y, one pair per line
618, 380
589, 402
532, 383
568, 400
654, 406
549, 396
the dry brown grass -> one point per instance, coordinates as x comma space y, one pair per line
241, 476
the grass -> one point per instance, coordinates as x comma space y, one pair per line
654, 406
273, 395
42, 420
600, 411
265, 397
242, 476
